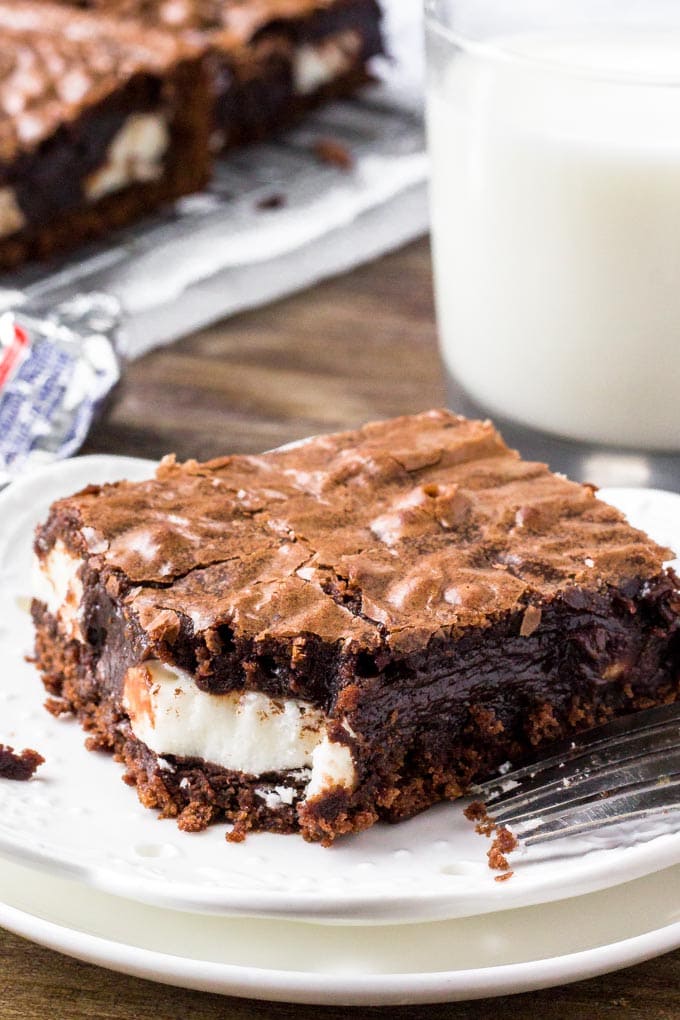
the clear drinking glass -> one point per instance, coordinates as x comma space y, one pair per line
554, 131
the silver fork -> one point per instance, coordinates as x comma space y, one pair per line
627, 769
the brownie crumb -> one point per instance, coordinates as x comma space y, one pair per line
327, 150
239, 830
57, 707
18, 766
476, 812
504, 841
276, 201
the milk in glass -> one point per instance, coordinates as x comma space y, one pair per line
556, 223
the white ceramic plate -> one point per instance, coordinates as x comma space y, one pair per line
510, 951
76, 818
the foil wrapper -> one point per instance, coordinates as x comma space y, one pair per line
57, 366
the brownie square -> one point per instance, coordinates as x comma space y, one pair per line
101, 121
349, 630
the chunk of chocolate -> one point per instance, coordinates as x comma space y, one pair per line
20, 767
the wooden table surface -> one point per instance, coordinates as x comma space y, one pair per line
359, 347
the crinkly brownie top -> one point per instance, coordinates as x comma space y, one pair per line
393, 533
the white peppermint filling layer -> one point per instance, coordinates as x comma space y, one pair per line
316, 66
134, 156
245, 732
57, 583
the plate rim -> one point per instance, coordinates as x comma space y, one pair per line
324, 988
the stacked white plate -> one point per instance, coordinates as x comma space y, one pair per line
401, 914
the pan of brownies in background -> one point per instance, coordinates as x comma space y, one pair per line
112, 111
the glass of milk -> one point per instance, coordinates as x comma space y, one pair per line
554, 130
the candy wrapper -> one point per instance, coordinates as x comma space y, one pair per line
56, 368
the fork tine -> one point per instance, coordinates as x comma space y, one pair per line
615, 742
647, 801
572, 788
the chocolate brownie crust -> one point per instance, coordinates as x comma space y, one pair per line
447, 605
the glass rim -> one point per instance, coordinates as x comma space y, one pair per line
498, 49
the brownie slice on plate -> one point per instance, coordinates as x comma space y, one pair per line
100, 122
348, 630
